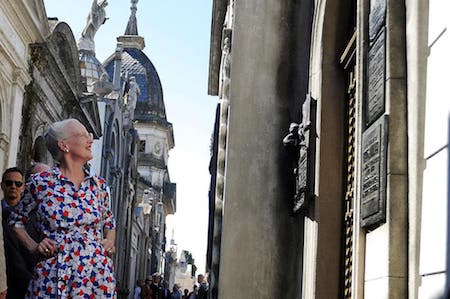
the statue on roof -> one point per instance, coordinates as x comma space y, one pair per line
132, 89
96, 18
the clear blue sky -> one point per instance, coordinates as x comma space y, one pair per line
177, 35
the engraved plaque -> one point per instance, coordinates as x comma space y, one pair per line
377, 17
376, 77
373, 174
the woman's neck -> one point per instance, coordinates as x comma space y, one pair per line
74, 172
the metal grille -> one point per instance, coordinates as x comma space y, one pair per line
350, 187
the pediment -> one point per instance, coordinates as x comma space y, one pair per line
62, 44
90, 111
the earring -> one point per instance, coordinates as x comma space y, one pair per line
66, 150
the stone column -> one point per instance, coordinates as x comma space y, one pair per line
260, 249
19, 80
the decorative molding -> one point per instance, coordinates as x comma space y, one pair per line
21, 77
4, 141
132, 41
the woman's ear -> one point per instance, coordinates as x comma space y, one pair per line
62, 145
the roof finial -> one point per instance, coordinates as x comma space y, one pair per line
132, 22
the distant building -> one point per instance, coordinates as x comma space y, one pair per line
352, 200
41, 81
46, 77
154, 195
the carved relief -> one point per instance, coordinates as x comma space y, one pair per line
301, 142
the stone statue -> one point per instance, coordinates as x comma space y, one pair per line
103, 87
96, 18
132, 94
300, 143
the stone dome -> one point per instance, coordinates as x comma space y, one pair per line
91, 68
150, 105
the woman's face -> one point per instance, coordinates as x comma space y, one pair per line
78, 142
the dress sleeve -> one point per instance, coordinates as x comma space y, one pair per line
108, 220
20, 214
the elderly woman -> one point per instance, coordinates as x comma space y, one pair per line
73, 216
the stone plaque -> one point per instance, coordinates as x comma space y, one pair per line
376, 77
373, 174
377, 17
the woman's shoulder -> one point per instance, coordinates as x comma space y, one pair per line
45, 175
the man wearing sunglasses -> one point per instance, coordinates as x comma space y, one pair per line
17, 258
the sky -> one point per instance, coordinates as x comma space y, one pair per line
177, 35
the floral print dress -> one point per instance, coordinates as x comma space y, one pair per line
75, 219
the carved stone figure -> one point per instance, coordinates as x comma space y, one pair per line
132, 94
103, 86
301, 145
95, 19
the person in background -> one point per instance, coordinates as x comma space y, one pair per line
138, 289
165, 292
156, 288
19, 263
146, 289
175, 292
202, 287
185, 294
193, 294
31, 226
37, 168
3, 287
73, 216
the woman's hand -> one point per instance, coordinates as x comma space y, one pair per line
46, 247
109, 246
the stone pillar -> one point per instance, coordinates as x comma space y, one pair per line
20, 78
386, 271
417, 52
261, 241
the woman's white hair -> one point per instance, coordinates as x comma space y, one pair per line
55, 132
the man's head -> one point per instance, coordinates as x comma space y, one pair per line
156, 277
200, 278
12, 185
39, 167
149, 280
36, 168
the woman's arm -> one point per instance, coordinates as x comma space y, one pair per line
46, 247
109, 241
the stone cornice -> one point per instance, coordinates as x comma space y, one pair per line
215, 53
132, 41
21, 77
165, 126
31, 25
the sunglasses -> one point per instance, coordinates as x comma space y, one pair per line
9, 183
